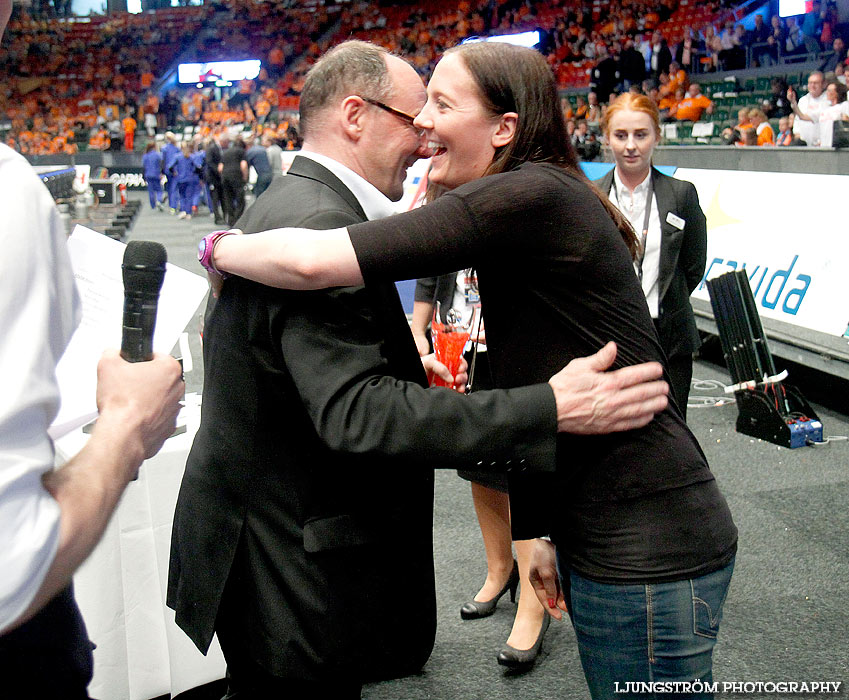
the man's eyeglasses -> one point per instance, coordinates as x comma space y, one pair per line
403, 116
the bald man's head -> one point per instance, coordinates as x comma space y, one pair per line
352, 68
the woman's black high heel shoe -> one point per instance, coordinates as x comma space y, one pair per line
524, 659
476, 609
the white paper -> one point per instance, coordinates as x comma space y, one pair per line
96, 260
121, 588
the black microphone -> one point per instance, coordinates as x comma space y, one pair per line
144, 270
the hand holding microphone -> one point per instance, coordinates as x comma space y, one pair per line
139, 401
138, 396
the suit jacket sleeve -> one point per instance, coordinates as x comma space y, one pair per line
334, 350
694, 248
363, 397
426, 289
437, 289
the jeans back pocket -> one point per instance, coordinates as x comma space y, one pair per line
709, 593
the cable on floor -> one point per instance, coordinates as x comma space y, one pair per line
707, 400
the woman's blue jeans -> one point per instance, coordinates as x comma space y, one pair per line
646, 633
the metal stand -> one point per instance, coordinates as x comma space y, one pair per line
768, 408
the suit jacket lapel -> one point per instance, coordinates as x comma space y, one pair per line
308, 168
666, 204
398, 341
606, 182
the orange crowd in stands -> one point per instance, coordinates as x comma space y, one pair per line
93, 81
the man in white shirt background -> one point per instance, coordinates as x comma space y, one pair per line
808, 109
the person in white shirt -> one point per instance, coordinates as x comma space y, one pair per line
808, 109
50, 520
837, 110
838, 106
275, 155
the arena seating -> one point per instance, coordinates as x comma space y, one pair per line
66, 76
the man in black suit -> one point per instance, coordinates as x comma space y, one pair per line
302, 533
632, 65
606, 77
213, 177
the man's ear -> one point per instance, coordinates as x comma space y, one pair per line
352, 111
506, 129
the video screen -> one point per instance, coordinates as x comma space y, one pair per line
528, 39
218, 71
791, 8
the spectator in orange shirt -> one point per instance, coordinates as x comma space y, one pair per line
750, 137
766, 136
743, 119
693, 105
668, 105
262, 109
677, 77
651, 19
129, 125
275, 61
580, 107
733, 135
271, 95
99, 141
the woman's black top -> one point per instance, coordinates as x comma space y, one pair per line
556, 283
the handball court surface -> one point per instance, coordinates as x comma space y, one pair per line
785, 618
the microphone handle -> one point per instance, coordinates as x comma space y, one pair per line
138, 326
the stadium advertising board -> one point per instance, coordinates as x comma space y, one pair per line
787, 231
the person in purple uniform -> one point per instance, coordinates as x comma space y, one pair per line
170, 154
152, 169
188, 181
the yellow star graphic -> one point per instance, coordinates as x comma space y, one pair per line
716, 217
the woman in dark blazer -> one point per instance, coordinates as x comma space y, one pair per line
673, 232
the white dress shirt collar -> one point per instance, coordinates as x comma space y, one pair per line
623, 193
633, 207
375, 204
